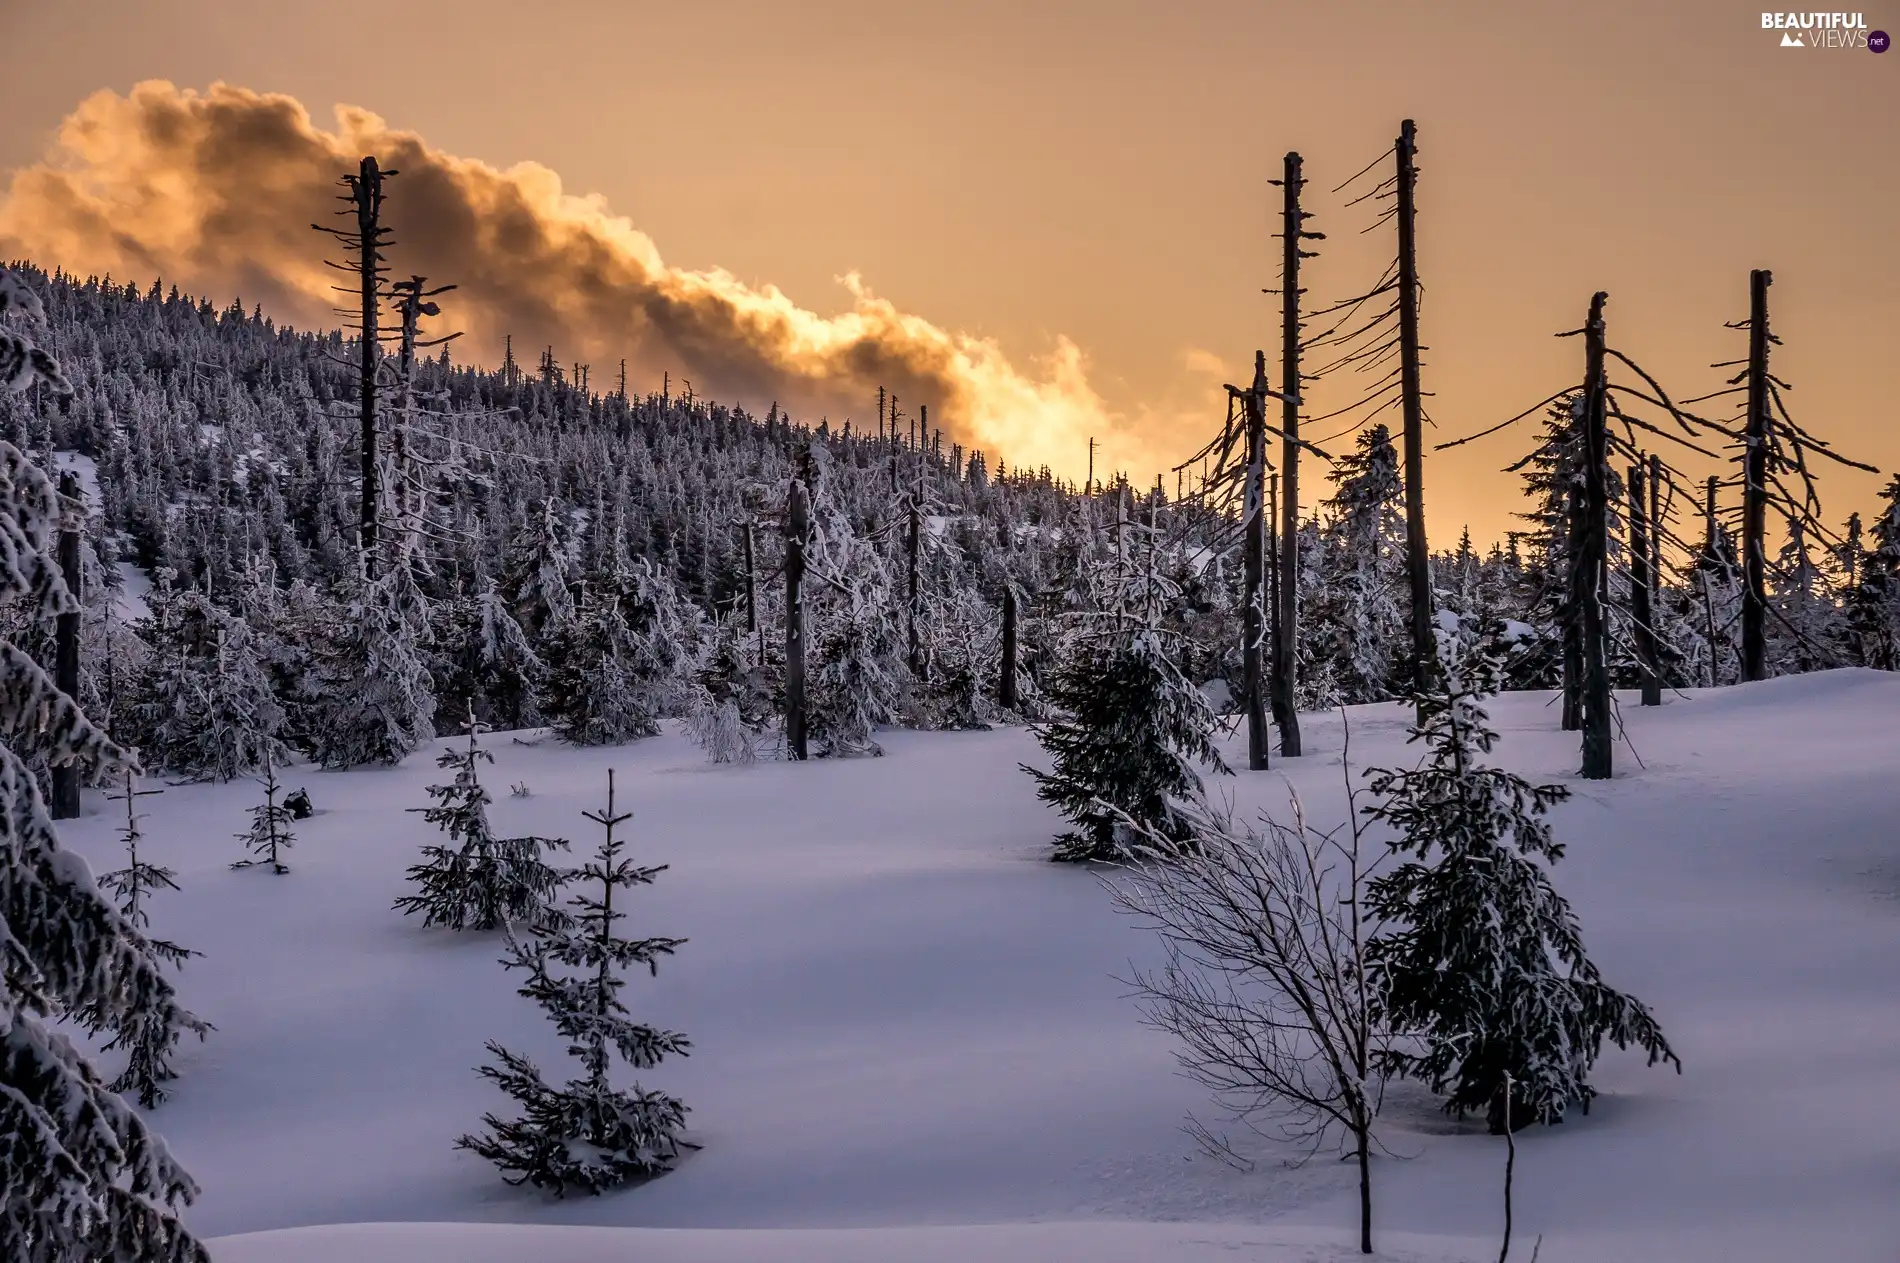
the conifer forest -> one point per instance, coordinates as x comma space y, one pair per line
460, 802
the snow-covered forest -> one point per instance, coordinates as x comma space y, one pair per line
779, 700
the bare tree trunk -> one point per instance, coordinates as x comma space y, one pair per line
797, 531
1363, 1144
66, 647
1417, 555
1572, 630
367, 192
1641, 585
914, 544
1006, 682
1655, 550
1709, 551
1274, 692
1754, 484
1592, 551
752, 591
1252, 615
1290, 459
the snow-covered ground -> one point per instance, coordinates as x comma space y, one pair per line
909, 1042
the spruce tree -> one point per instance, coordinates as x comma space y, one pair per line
736, 695
1361, 601
269, 835
477, 881
81, 1174
1130, 726
624, 662
1873, 603
149, 1041
375, 703
587, 1133
1482, 964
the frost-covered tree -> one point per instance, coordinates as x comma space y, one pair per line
269, 835
374, 700
1361, 600
1481, 963
477, 881
624, 662
587, 1133
81, 1174
960, 645
736, 697
1873, 602
207, 705
1130, 730
537, 573
1805, 628
150, 1041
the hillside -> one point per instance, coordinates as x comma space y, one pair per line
903, 1016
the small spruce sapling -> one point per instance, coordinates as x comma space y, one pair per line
587, 1134
477, 881
1481, 964
269, 835
148, 1041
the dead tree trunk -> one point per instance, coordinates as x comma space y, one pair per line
1592, 552
797, 531
1641, 589
1252, 614
752, 591
1272, 646
1754, 484
913, 549
366, 192
1417, 555
1655, 549
66, 644
1291, 254
1006, 680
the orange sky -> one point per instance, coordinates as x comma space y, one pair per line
1097, 171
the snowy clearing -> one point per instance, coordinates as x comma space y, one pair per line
906, 1023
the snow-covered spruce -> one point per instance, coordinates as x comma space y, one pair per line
269, 835
587, 1134
373, 699
206, 708
1131, 728
488, 660
624, 662
1481, 962
81, 1175
736, 695
477, 881
149, 1041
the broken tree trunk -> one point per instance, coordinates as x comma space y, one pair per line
1291, 232
1642, 608
367, 193
1417, 555
1755, 484
66, 642
1592, 552
1006, 679
797, 530
1252, 613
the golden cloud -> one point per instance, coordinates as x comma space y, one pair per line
215, 191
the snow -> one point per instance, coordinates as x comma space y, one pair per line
86, 470
1107, 1242
908, 1039
128, 603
